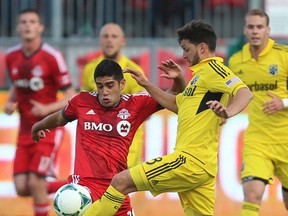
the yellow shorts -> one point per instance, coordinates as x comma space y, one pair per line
265, 161
177, 172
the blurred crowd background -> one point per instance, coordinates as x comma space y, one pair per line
150, 27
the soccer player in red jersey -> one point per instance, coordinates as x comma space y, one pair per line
107, 122
37, 71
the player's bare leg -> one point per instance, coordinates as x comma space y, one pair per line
285, 197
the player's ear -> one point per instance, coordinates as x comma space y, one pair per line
122, 84
42, 28
268, 30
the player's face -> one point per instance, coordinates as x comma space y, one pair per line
190, 52
29, 26
256, 31
111, 41
109, 90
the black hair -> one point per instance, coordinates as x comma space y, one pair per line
198, 31
109, 68
32, 10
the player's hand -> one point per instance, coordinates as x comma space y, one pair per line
218, 108
223, 121
38, 109
170, 68
138, 76
10, 107
272, 106
37, 135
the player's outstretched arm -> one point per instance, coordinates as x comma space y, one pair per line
166, 100
51, 121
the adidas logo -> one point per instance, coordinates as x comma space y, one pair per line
90, 112
154, 182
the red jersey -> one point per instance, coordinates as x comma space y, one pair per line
104, 135
37, 77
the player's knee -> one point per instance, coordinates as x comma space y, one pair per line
252, 196
253, 191
22, 190
36, 183
119, 182
285, 197
286, 205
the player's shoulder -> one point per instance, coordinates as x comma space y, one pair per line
92, 64
216, 68
84, 93
50, 49
85, 97
13, 49
94, 61
131, 64
136, 100
280, 47
235, 58
51, 52
136, 96
237, 55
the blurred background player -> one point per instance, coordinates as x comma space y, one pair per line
112, 40
37, 72
262, 64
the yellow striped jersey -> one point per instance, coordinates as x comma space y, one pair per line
267, 74
198, 126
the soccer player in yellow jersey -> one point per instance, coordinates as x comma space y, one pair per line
263, 65
192, 168
111, 41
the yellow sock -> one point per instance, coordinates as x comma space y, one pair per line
108, 204
250, 209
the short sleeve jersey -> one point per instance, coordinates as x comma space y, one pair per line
104, 135
131, 86
198, 125
267, 74
37, 77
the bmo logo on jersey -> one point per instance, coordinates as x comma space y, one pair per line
123, 127
100, 127
35, 83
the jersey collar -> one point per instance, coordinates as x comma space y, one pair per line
246, 50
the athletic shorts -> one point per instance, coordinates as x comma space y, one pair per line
97, 188
177, 172
266, 161
38, 157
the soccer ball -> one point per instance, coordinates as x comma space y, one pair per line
71, 200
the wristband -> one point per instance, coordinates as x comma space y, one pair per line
285, 102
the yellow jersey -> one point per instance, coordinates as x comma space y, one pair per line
131, 87
267, 74
198, 126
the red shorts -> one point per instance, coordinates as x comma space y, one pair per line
97, 188
39, 157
